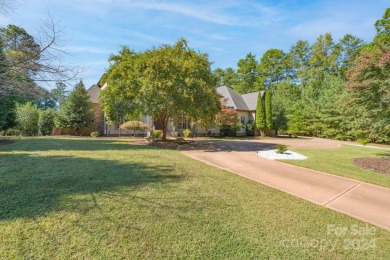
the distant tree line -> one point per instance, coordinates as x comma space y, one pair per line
329, 89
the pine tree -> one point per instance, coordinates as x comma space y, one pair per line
268, 110
247, 76
260, 115
75, 111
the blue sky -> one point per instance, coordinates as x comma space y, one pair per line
225, 29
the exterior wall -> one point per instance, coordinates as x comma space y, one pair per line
97, 124
252, 115
243, 117
210, 132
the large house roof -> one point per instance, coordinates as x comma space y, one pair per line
234, 99
93, 93
246, 102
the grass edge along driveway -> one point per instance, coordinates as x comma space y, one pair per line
339, 161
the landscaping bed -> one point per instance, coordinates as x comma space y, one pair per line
381, 165
170, 144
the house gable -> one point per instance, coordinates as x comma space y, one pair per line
245, 102
93, 92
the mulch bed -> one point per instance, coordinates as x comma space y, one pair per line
5, 142
169, 144
381, 165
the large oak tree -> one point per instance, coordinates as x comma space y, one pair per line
162, 82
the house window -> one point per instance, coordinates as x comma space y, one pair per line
243, 119
184, 123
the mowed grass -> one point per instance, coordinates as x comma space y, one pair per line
339, 161
110, 199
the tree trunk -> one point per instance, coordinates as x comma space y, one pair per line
164, 122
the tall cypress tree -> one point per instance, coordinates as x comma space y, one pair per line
260, 115
268, 109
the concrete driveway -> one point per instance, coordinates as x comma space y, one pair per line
358, 199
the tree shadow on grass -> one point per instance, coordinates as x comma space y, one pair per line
384, 155
84, 144
32, 186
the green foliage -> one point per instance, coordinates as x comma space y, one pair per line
157, 134
349, 48
285, 95
187, 133
20, 48
250, 128
46, 121
382, 26
7, 112
162, 82
119, 98
13, 132
300, 54
226, 77
248, 78
95, 134
272, 67
260, 115
363, 141
59, 93
75, 111
281, 148
323, 58
268, 110
27, 116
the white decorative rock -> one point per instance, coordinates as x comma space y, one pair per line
288, 155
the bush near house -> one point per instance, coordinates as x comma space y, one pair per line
250, 128
95, 134
157, 134
27, 116
187, 133
75, 111
134, 125
46, 122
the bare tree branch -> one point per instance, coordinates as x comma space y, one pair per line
43, 64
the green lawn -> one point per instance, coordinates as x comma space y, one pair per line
110, 199
339, 161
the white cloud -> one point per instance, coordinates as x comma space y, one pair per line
86, 49
229, 13
187, 10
